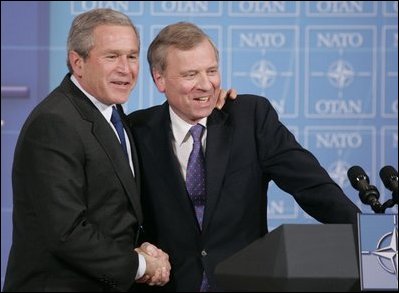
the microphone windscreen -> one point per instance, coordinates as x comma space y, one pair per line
386, 173
353, 174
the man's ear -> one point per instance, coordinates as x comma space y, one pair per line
159, 80
76, 62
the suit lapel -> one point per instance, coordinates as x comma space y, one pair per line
133, 150
106, 138
165, 163
219, 135
118, 160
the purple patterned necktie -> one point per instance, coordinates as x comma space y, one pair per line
196, 184
195, 177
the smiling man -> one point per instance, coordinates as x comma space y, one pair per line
76, 208
206, 171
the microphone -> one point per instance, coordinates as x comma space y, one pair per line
389, 177
368, 193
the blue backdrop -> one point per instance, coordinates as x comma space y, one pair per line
330, 69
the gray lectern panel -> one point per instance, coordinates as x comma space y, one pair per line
295, 258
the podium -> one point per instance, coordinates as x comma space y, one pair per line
293, 258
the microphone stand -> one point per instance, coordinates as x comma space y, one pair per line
387, 204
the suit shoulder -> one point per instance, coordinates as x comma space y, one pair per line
248, 101
141, 117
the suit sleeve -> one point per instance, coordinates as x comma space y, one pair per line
296, 171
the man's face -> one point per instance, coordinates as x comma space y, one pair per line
190, 81
110, 71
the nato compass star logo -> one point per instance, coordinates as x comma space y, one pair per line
340, 74
263, 74
378, 247
338, 171
388, 255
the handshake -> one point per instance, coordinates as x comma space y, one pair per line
157, 265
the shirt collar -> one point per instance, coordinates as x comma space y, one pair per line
180, 128
106, 110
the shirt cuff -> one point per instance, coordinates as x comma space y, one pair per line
142, 267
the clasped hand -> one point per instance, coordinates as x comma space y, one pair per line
157, 265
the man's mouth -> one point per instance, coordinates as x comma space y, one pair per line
202, 99
121, 82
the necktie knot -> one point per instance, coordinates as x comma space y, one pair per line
196, 132
115, 117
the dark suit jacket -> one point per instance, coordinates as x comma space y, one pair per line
76, 202
246, 147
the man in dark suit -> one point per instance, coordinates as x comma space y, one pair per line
243, 146
77, 211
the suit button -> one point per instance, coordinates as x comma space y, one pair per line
203, 253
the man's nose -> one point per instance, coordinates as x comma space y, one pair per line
204, 82
123, 64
